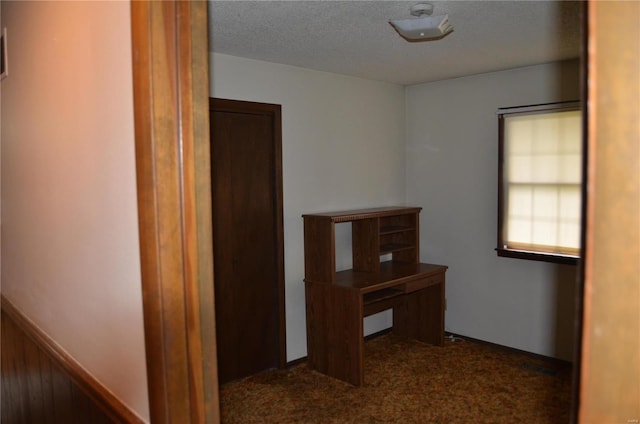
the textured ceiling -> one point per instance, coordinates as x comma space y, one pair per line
355, 38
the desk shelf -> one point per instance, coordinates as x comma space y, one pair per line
381, 300
375, 232
381, 295
395, 229
394, 247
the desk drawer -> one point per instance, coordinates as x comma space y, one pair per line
421, 283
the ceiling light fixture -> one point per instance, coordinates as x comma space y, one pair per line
424, 27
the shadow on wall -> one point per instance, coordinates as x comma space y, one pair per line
566, 286
568, 85
568, 81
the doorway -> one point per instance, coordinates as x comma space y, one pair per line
246, 185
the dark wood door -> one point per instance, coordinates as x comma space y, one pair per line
247, 235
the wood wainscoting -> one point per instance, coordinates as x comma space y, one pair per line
42, 384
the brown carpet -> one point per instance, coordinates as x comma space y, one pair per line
410, 382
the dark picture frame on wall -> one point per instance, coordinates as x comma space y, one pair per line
4, 64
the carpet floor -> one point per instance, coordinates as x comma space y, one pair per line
410, 382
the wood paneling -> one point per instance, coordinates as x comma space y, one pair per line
42, 384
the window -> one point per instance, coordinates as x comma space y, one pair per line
540, 182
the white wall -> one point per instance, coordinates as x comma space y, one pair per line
69, 235
452, 164
343, 148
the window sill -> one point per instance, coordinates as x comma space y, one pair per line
537, 256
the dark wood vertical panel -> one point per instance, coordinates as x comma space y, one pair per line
35, 398
62, 390
365, 237
48, 405
81, 406
315, 317
319, 249
20, 377
346, 336
6, 410
279, 220
171, 125
11, 385
335, 344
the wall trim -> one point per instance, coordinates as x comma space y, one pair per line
102, 397
557, 362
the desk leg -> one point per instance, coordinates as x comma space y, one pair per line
335, 341
421, 315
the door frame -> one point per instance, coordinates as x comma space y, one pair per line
611, 301
171, 115
274, 111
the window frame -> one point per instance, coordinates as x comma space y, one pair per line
501, 250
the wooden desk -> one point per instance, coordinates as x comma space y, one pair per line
337, 302
335, 339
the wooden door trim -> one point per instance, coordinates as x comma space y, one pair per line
609, 387
170, 77
275, 111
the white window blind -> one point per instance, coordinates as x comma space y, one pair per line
542, 178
